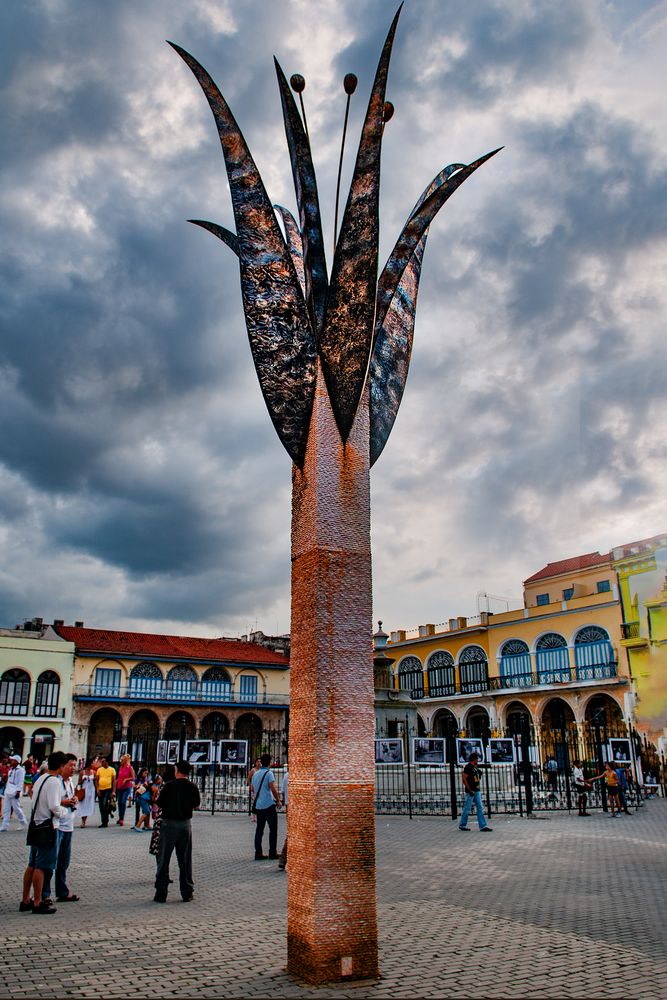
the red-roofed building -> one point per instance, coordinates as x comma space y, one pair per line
155, 692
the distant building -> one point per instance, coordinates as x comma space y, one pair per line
551, 669
36, 678
135, 689
642, 573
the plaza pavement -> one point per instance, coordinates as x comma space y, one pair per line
552, 907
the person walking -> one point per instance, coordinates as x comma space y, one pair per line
124, 785
154, 846
143, 800
13, 790
623, 787
105, 786
177, 800
47, 805
581, 787
266, 804
471, 779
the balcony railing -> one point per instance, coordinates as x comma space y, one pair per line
522, 679
195, 695
630, 630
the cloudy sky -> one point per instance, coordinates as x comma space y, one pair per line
142, 485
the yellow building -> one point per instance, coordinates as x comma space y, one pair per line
551, 667
36, 676
641, 568
138, 688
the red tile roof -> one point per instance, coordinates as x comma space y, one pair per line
176, 647
570, 566
643, 545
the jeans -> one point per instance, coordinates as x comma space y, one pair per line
175, 833
467, 805
64, 856
267, 817
122, 795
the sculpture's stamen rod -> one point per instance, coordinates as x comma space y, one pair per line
298, 85
387, 114
350, 85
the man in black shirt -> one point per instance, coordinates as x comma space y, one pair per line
176, 800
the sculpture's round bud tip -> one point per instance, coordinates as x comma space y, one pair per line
350, 83
297, 83
387, 112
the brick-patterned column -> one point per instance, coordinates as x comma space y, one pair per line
332, 925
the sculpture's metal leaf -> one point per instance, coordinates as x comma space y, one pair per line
395, 320
294, 244
414, 229
281, 337
226, 235
390, 359
305, 185
346, 339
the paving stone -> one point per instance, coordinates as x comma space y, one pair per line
554, 909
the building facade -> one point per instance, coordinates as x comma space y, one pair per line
641, 568
36, 681
137, 688
551, 668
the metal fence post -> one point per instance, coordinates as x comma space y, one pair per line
407, 758
598, 754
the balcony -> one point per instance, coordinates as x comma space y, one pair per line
631, 639
194, 695
524, 679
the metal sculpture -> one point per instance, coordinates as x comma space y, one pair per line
332, 357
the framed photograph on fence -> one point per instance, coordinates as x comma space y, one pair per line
429, 751
172, 751
162, 751
619, 751
388, 751
501, 750
198, 751
466, 746
233, 752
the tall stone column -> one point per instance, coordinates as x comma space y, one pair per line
331, 906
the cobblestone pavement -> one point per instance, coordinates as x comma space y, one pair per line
552, 907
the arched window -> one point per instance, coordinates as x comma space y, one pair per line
441, 675
47, 693
182, 682
216, 685
593, 653
411, 676
515, 666
14, 692
552, 660
473, 670
146, 681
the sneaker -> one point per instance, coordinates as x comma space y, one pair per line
281, 866
261, 857
486, 829
274, 857
157, 898
188, 899
44, 908
465, 829
26, 907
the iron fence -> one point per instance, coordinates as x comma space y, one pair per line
528, 784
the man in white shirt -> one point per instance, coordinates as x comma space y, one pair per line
47, 803
13, 789
64, 838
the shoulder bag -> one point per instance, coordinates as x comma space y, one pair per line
40, 834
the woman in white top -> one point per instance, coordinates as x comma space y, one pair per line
87, 805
